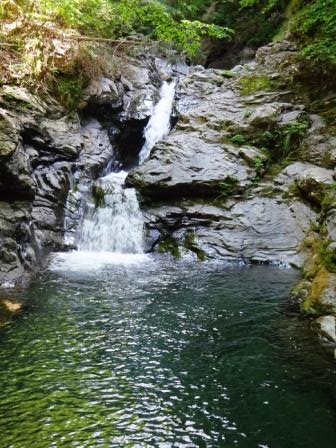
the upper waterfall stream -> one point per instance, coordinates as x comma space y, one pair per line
159, 123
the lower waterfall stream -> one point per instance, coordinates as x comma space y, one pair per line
116, 225
123, 349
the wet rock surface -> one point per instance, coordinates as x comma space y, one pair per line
258, 229
325, 326
211, 167
35, 179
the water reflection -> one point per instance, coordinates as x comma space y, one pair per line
164, 354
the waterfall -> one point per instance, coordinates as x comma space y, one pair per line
159, 123
113, 222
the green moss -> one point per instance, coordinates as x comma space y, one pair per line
69, 91
238, 139
227, 186
190, 244
12, 101
227, 74
328, 256
260, 164
169, 245
329, 198
314, 26
311, 304
98, 196
251, 84
282, 144
319, 267
292, 192
328, 201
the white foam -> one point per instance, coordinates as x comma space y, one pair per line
88, 261
117, 225
8, 285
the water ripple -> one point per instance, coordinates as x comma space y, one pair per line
163, 354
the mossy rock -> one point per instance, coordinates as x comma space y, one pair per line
9, 138
249, 85
169, 245
191, 244
98, 196
227, 187
328, 256
321, 299
20, 99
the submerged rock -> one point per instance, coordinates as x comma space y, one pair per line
9, 307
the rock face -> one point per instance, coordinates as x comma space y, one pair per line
185, 164
326, 329
258, 229
210, 169
35, 178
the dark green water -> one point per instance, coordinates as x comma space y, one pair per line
164, 354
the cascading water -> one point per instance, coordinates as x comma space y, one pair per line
159, 124
113, 221
116, 225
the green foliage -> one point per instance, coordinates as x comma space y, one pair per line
255, 21
238, 139
117, 19
329, 198
259, 164
292, 135
314, 25
280, 144
328, 256
227, 186
313, 22
284, 143
69, 91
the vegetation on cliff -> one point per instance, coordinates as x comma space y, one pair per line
311, 22
58, 45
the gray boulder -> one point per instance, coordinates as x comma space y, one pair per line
187, 165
